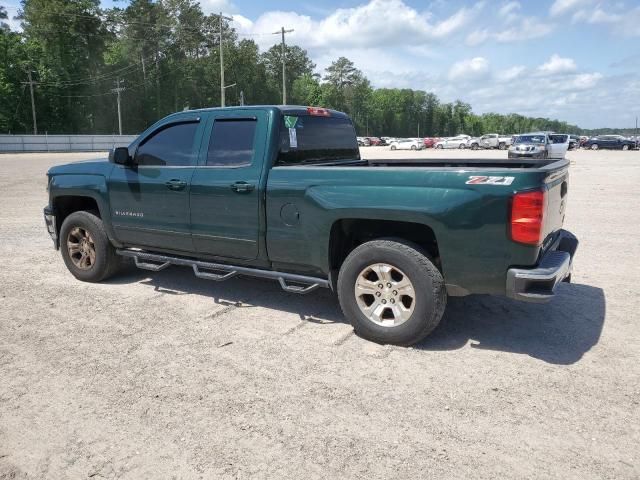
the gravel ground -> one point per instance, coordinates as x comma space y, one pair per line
167, 376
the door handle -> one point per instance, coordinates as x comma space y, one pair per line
176, 184
242, 187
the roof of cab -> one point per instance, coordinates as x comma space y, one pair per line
286, 109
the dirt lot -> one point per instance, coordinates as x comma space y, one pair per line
166, 376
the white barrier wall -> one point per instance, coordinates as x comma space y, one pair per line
63, 143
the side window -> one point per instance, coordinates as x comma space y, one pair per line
170, 147
232, 142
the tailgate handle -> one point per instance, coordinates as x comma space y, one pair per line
563, 189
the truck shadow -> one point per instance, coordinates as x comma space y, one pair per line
559, 332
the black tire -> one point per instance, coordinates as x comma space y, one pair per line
501, 146
413, 147
107, 262
625, 147
430, 300
594, 146
474, 146
440, 147
462, 146
393, 147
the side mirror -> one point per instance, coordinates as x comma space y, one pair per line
120, 156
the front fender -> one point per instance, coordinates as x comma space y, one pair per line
84, 185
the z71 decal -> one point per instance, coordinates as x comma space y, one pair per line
482, 180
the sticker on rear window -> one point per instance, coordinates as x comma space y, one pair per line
293, 138
290, 121
482, 180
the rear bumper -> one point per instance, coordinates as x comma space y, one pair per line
538, 284
50, 223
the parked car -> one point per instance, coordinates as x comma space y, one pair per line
574, 142
363, 141
490, 140
453, 142
376, 141
290, 199
429, 142
539, 145
615, 142
407, 144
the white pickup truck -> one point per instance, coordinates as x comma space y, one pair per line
490, 140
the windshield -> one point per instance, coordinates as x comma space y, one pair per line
530, 139
316, 139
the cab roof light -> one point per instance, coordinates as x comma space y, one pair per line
318, 112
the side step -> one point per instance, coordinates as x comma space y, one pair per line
289, 282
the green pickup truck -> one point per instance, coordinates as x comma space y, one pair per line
282, 193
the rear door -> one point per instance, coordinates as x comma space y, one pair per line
150, 199
225, 188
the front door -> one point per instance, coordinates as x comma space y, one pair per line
225, 188
150, 199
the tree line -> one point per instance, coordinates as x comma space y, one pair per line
165, 55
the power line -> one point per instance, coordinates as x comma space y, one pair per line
107, 19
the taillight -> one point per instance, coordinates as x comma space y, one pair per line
527, 216
317, 111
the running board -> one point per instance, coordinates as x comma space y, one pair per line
219, 272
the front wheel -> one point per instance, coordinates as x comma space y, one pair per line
391, 292
625, 147
439, 147
594, 146
86, 249
413, 147
502, 146
461, 146
393, 147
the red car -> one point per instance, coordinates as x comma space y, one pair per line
375, 141
429, 142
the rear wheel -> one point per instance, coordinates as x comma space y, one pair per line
391, 292
413, 147
393, 147
625, 147
86, 249
474, 146
461, 146
439, 146
594, 146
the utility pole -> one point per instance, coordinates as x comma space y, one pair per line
241, 98
222, 86
33, 102
418, 129
117, 91
284, 63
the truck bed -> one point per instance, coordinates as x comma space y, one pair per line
467, 163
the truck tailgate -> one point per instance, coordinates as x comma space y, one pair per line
557, 185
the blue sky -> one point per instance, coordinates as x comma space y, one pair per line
576, 60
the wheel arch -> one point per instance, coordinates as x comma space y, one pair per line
348, 233
65, 204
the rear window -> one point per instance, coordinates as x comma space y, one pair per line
306, 139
